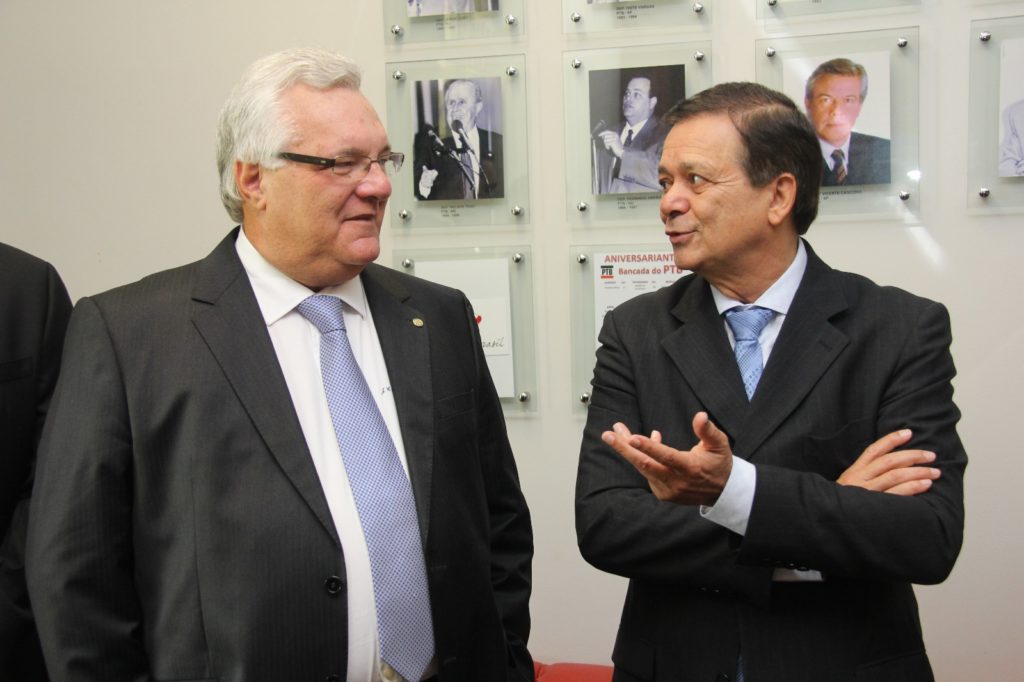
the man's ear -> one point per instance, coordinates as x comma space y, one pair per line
780, 206
249, 180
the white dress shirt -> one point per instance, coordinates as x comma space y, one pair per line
297, 345
473, 135
732, 510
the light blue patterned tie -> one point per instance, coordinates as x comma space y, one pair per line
383, 495
746, 325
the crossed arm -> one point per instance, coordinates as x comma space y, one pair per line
697, 476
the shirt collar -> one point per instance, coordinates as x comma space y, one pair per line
779, 295
827, 149
277, 294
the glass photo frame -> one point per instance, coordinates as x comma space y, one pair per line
462, 125
603, 276
995, 160
498, 281
587, 16
418, 21
785, 9
860, 91
611, 153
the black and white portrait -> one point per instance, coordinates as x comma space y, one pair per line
626, 132
457, 147
430, 8
1011, 107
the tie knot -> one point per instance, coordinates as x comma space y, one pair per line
325, 312
838, 156
747, 323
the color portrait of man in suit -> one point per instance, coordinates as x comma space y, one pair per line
467, 163
770, 454
833, 97
34, 311
625, 156
283, 461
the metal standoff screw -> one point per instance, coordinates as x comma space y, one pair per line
575, 17
584, 398
403, 214
575, 63
518, 258
698, 55
698, 8
902, 42
517, 210
904, 195
581, 259
407, 263
511, 71
985, 36
398, 75
510, 20
770, 52
984, 192
582, 206
397, 30
524, 397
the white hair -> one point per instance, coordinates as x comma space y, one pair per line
252, 128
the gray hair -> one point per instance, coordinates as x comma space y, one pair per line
252, 128
841, 66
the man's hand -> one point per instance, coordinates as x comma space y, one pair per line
884, 469
689, 477
427, 179
611, 141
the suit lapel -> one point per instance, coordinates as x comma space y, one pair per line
228, 318
807, 345
699, 348
406, 351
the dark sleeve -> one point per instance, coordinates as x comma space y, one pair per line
79, 555
805, 520
49, 298
511, 541
621, 527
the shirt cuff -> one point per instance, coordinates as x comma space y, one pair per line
732, 510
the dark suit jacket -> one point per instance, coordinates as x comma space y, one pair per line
186, 533
34, 311
853, 361
637, 170
869, 162
449, 183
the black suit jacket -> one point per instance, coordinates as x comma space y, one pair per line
853, 361
449, 183
869, 162
186, 533
637, 170
34, 311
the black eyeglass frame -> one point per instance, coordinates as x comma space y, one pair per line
396, 159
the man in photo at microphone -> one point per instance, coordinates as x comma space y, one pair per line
467, 162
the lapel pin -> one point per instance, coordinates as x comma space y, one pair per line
417, 322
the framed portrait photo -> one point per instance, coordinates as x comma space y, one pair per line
417, 21
860, 93
995, 131
462, 125
614, 100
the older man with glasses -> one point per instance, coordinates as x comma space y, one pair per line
282, 462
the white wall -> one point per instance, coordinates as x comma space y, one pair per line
107, 115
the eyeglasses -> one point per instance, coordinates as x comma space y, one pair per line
354, 167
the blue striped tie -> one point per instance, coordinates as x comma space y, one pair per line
746, 324
383, 495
